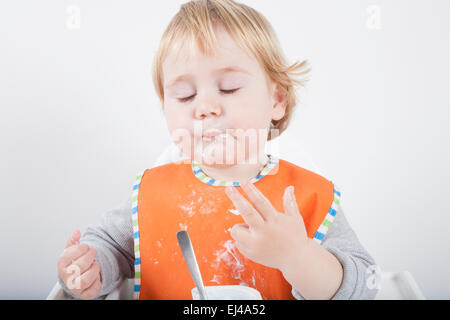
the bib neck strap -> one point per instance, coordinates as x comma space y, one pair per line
200, 175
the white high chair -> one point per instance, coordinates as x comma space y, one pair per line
392, 285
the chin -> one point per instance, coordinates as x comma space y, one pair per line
218, 166
212, 162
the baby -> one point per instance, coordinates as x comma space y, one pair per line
254, 220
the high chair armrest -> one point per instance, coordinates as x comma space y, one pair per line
57, 293
399, 286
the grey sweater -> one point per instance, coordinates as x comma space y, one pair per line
113, 239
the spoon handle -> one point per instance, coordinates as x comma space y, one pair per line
191, 261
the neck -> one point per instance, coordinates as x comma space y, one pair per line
238, 172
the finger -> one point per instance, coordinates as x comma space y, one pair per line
290, 202
258, 199
87, 278
72, 253
93, 290
86, 260
248, 213
74, 238
241, 233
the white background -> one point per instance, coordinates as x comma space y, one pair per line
79, 118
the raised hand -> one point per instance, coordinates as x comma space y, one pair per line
269, 237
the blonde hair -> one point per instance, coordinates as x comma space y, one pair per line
250, 29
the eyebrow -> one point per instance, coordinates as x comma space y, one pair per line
218, 71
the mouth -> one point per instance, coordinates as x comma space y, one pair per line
209, 134
217, 137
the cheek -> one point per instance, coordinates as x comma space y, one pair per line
175, 117
179, 125
180, 132
251, 113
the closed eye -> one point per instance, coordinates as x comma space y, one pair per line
229, 91
187, 99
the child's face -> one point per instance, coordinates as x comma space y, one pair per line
199, 98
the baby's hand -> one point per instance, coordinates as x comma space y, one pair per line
78, 269
269, 238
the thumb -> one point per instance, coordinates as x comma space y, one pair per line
74, 238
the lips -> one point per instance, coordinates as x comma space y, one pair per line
216, 135
212, 133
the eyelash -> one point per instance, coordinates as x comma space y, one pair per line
183, 100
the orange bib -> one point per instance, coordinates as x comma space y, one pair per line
179, 196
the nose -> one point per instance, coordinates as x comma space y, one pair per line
206, 108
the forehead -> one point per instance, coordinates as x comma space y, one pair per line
183, 59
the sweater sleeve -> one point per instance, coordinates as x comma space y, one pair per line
343, 243
113, 239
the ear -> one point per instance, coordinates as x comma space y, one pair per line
279, 102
